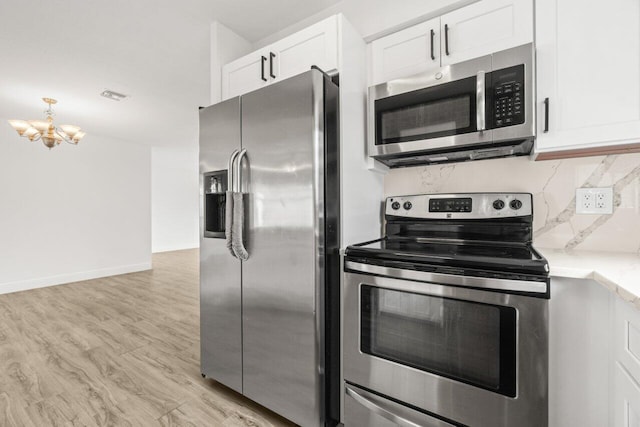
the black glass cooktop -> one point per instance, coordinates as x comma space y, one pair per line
519, 258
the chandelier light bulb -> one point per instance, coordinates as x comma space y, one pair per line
46, 131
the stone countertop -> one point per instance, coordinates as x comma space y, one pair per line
617, 271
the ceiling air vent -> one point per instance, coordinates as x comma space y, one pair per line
115, 96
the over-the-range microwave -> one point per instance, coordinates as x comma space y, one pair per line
478, 109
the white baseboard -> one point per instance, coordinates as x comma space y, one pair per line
42, 282
161, 249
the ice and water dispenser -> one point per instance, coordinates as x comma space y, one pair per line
215, 187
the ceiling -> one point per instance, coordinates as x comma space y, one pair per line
156, 51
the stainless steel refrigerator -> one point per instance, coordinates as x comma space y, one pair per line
270, 323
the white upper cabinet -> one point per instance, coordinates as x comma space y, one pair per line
406, 52
243, 75
485, 27
588, 70
315, 45
478, 29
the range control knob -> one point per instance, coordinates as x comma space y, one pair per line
498, 204
407, 205
515, 204
395, 206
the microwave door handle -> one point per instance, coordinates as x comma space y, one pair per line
378, 409
481, 112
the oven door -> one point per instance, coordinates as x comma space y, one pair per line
468, 356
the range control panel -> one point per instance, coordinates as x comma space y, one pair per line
454, 204
508, 96
460, 206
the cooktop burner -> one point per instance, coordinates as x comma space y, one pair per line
487, 232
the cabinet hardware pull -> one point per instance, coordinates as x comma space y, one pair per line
446, 39
271, 56
433, 34
546, 115
263, 59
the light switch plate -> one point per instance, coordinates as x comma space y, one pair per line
594, 200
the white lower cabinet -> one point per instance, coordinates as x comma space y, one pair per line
579, 353
594, 356
625, 403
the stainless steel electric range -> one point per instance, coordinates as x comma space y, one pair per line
446, 316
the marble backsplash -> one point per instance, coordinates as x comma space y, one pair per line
553, 184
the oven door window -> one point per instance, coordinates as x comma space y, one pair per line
442, 110
466, 341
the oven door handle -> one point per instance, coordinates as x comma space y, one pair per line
450, 279
378, 409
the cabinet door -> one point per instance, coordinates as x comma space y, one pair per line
406, 52
626, 398
625, 404
627, 336
485, 27
588, 63
245, 74
316, 45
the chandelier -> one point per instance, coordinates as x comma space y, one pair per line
46, 131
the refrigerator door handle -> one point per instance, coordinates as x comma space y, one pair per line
228, 217
238, 171
232, 158
238, 212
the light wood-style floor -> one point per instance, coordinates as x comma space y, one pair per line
118, 351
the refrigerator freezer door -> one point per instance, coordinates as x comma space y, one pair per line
220, 273
283, 132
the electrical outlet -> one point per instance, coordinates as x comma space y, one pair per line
594, 200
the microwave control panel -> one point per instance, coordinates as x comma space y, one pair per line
508, 96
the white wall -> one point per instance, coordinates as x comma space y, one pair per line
72, 213
225, 47
174, 199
